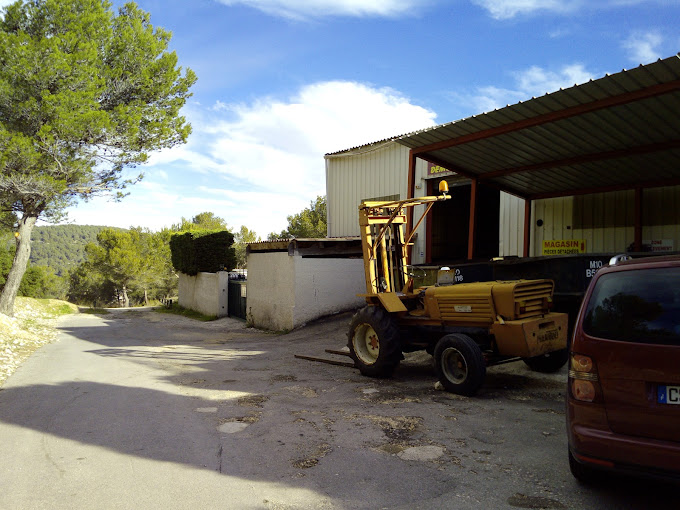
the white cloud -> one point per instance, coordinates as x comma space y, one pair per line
538, 81
531, 82
5, 3
279, 145
505, 9
643, 46
302, 9
254, 164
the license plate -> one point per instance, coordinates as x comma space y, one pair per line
668, 394
547, 336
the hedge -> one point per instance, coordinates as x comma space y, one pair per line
203, 251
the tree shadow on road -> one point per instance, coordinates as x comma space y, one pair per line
236, 402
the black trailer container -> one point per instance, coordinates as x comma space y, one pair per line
571, 274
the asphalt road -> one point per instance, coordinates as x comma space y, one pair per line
138, 410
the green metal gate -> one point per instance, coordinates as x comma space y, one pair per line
237, 299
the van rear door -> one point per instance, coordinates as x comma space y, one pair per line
633, 317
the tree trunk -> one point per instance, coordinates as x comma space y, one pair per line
146, 298
126, 299
16, 273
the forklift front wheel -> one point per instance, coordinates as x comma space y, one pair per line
373, 342
459, 364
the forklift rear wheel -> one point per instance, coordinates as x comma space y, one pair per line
373, 342
548, 363
459, 364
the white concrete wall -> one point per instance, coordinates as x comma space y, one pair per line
324, 286
285, 292
206, 293
271, 287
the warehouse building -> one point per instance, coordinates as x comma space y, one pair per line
591, 169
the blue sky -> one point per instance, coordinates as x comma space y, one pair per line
282, 82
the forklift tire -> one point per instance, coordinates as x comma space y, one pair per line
548, 363
374, 342
459, 364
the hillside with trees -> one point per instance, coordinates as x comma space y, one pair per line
131, 267
124, 266
62, 247
108, 266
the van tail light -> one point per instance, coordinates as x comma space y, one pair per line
584, 383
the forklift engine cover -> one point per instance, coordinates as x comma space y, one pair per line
517, 313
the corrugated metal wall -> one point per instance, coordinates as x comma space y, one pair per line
661, 214
606, 220
369, 172
511, 228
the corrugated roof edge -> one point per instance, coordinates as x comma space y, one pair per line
361, 149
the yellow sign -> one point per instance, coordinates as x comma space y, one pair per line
437, 171
564, 247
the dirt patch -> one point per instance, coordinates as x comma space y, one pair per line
312, 460
548, 411
523, 501
302, 391
399, 428
283, 378
252, 401
391, 448
250, 419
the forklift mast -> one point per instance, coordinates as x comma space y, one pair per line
386, 248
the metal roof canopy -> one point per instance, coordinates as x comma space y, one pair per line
621, 131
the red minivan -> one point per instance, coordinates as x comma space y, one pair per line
623, 399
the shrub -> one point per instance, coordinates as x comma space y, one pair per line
203, 251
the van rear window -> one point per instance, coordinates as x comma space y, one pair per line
636, 306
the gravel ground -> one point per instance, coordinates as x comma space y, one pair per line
32, 326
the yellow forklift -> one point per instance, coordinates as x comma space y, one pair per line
465, 326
